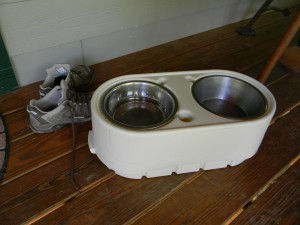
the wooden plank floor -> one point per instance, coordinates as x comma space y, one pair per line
263, 190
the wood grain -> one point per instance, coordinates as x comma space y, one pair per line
217, 194
34, 151
37, 185
43, 175
116, 200
280, 204
193, 202
57, 191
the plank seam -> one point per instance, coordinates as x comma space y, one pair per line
284, 113
274, 178
71, 197
187, 181
40, 165
13, 111
238, 212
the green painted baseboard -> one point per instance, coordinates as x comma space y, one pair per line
8, 80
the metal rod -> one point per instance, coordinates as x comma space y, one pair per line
247, 30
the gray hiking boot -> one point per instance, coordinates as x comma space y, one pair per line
59, 107
77, 78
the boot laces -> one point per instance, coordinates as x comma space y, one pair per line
77, 101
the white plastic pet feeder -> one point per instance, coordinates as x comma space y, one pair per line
156, 124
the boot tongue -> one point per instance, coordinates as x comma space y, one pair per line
64, 92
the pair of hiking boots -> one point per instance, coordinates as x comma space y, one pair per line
62, 101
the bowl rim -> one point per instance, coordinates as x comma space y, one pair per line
258, 115
104, 97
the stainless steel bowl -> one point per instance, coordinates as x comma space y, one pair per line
139, 104
229, 97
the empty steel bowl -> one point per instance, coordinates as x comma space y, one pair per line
229, 97
139, 104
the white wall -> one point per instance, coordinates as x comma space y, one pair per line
38, 33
